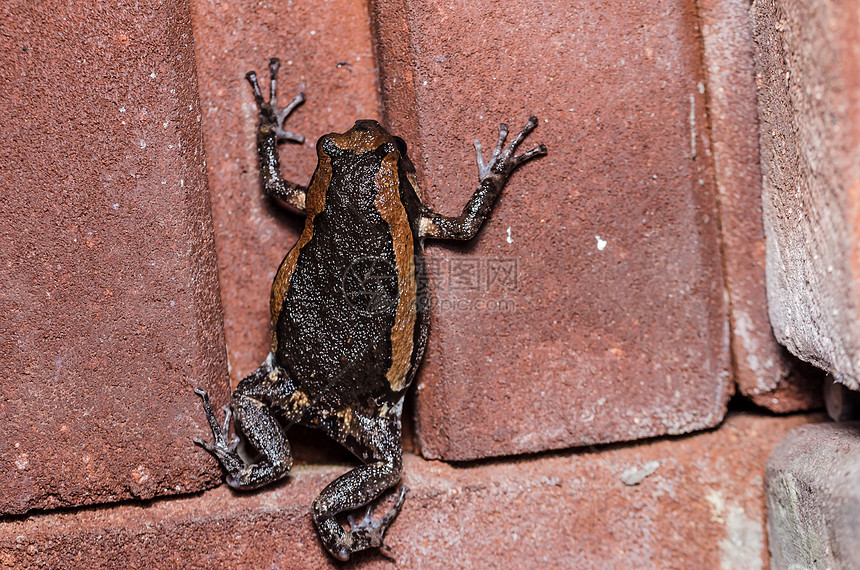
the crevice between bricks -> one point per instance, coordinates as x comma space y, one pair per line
742, 407
299, 470
800, 381
706, 79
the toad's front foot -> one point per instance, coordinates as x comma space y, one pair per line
504, 160
270, 116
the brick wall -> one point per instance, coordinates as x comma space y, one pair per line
808, 77
617, 293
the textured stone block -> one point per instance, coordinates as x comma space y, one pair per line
813, 498
808, 77
108, 285
763, 370
591, 306
325, 48
699, 503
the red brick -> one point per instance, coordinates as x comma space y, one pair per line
701, 507
813, 497
252, 234
108, 285
808, 79
763, 370
617, 327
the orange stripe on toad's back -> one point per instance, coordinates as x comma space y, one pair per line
314, 204
392, 211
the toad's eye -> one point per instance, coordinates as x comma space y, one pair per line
401, 145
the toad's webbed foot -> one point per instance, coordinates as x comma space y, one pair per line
270, 115
370, 532
263, 433
251, 405
223, 449
504, 159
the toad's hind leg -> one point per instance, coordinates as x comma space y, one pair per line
378, 442
251, 406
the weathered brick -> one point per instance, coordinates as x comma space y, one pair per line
763, 370
326, 50
108, 284
813, 498
615, 327
699, 504
808, 78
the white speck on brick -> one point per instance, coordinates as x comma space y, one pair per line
692, 126
635, 475
601, 243
509, 238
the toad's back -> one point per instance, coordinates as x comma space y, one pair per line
344, 299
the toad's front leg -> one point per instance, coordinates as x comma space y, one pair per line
270, 131
493, 176
379, 441
251, 406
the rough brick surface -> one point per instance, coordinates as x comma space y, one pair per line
108, 288
325, 48
808, 76
591, 306
699, 504
763, 370
813, 498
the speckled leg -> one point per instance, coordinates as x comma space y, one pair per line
493, 176
270, 131
253, 415
379, 440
